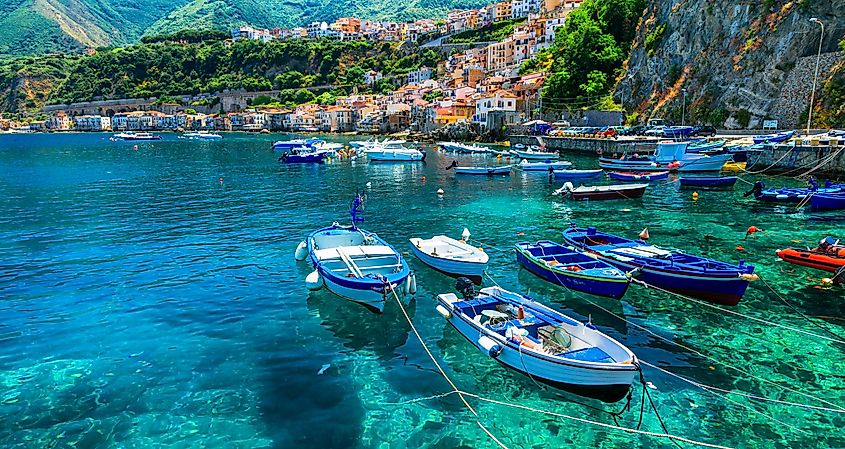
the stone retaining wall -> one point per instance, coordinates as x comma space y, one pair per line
794, 97
798, 160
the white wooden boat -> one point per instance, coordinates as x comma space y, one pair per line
544, 166
535, 155
394, 154
450, 256
541, 342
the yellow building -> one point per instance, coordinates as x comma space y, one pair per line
504, 11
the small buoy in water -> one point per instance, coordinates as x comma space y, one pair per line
412, 284
695, 196
644, 235
313, 281
440, 191
369, 184
752, 230
423, 178
827, 281
749, 277
135, 147
520, 233
626, 210
301, 251
740, 248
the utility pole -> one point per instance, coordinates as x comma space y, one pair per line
815, 78
684, 107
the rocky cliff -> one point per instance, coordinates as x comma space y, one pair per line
740, 61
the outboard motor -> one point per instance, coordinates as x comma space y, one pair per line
452, 165
811, 182
466, 288
756, 190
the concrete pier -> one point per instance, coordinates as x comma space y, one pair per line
795, 160
590, 145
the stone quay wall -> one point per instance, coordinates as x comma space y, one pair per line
822, 160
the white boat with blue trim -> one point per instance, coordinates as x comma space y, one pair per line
450, 256
544, 166
540, 342
356, 264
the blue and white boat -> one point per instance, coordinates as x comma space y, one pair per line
535, 154
451, 257
302, 155
706, 147
544, 166
356, 264
566, 266
672, 270
201, 135
638, 176
287, 145
540, 342
668, 156
484, 170
578, 174
792, 194
774, 138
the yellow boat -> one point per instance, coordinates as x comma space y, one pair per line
734, 166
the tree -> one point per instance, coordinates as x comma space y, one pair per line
354, 75
290, 80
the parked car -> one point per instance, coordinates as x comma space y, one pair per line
704, 131
634, 130
655, 131
609, 131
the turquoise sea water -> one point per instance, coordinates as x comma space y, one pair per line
150, 298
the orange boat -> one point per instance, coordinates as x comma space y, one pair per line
829, 256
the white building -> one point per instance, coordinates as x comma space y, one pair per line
494, 101
247, 32
551, 26
419, 75
92, 123
521, 8
318, 29
371, 77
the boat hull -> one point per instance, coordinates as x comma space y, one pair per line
827, 201
602, 384
579, 282
708, 182
535, 156
639, 177
610, 194
813, 259
303, 159
544, 167
391, 156
483, 171
454, 268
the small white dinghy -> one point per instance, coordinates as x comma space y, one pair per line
450, 256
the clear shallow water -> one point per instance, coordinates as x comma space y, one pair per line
145, 303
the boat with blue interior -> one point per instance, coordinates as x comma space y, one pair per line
543, 166
571, 268
287, 145
792, 194
774, 138
356, 264
667, 156
540, 342
668, 269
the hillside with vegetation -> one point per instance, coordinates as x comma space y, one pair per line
168, 66
495, 32
42, 26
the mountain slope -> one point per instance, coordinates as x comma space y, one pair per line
39, 26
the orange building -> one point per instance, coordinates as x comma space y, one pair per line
348, 24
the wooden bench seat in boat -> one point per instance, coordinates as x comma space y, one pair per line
354, 252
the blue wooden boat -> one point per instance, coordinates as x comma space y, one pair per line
827, 201
484, 171
698, 277
302, 155
577, 174
708, 181
564, 265
706, 147
774, 138
540, 342
356, 264
287, 145
791, 194
638, 176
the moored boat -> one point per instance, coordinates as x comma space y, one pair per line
540, 342
734, 166
484, 171
132, 137
827, 201
287, 145
686, 274
302, 155
610, 192
356, 264
828, 256
201, 135
577, 174
774, 138
704, 147
450, 256
639, 176
667, 156
708, 181
394, 154
564, 265
791, 194
543, 166
534, 155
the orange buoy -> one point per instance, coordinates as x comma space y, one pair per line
423, 179
644, 235
751, 230
740, 248
520, 313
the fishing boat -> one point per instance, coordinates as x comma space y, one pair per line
543, 166
201, 135
611, 192
677, 132
774, 138
540, 342
708, 181
394, 154
534, 155
133, 137
287, 145
668, 155
734, 166
483, 170
373, 143
828, 256
452, 257
706, 147
577, 174
356, 264
302, 155
464, 148
639, 176
827, 201
791, 194
564, 265
672, 270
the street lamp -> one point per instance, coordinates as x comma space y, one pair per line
684, 107
815, 78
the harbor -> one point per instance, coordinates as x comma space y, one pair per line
152, 295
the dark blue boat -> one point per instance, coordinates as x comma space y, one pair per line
708, 181
638, 176
572, 269
827, 201
302, 156
774, 138
791, 195
694, 276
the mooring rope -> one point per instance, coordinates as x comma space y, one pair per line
773, 163
439, 368
732, 312
802, 315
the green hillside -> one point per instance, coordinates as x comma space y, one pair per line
41, 26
